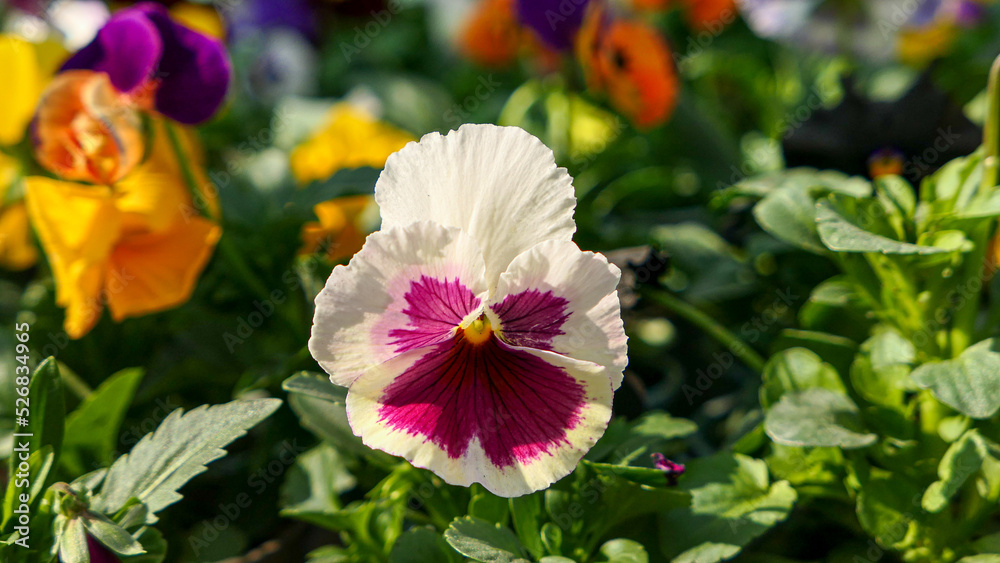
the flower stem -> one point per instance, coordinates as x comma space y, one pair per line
226, 249
991, 130
693, 315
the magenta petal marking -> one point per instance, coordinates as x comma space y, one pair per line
435, 308
532, 318
518, 405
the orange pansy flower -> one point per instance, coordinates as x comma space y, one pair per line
134, 245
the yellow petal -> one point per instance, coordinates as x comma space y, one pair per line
350, 139
78, 225
341, 227
204, 19
153, 272
19, 95
17, 251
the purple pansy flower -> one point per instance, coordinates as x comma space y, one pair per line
672, 469
555, 21
142, 48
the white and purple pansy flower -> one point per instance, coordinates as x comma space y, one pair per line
476, 339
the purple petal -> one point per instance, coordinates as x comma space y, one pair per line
194, 72
127, 48
555, 21
98, 553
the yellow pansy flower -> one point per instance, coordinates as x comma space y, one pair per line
343, 224
135, 246
351, 138
17, 251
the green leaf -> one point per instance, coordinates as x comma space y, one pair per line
969, 383
663, 426
153, 543
555, 559
315, 385
552, 537
47, 418
92, 429
648, 476
897, 197
789, 215
39, 465
837, 351
526, 514
983, 558
113, 536
732, 503
182, 446
817, 417
73, 543
962, 460
422, 545
624, 551
886, 507
481, 541
314, 483
487, 506
793, 370
840, 234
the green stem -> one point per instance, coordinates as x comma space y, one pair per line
991, 130
226, 249
690, 313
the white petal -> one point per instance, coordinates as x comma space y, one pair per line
423, 439
500, 185
360, 319
586, 284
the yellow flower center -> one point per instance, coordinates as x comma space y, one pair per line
478, 331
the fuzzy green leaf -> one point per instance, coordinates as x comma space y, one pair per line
969, 383
481, 541
817, 417
182, 446
962, 460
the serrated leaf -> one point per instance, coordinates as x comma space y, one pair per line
481, 541
92, 429
181, 448
962, 460
969, 383
817, 417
